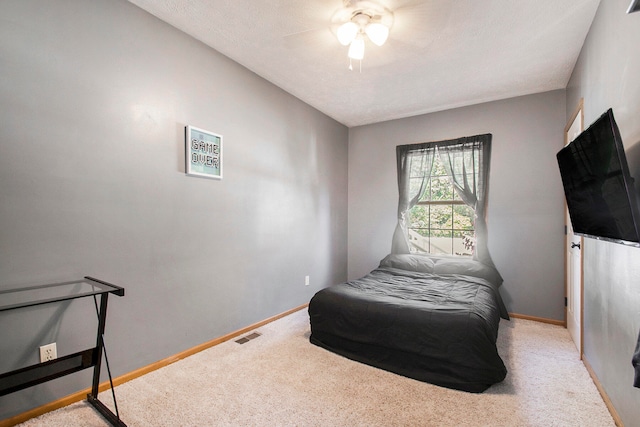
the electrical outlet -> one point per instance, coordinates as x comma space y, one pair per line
48, 352
306, 280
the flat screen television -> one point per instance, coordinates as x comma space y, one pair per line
598, 186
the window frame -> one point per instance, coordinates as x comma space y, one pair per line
474, 193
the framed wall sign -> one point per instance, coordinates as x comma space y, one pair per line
203, 153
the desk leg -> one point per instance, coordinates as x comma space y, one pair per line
106, 412
92, 398
102, 321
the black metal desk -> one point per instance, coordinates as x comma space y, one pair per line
36, 374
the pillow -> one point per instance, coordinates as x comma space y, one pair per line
410, 262
467, 267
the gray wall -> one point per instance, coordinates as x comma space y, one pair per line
94, 99
525, 199
606, 76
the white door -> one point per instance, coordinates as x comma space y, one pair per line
573, 253
574, 285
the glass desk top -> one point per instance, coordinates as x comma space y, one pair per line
44, 294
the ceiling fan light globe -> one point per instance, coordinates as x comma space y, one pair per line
377, 33
356, 49
347, 33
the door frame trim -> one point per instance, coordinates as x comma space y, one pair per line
579, 110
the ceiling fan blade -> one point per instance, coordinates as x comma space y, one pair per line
309, 24
406, 4
308, 38
420, 22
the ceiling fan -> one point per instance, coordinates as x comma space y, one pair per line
358, 20
356, 23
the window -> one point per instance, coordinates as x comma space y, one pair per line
442, 197
441, 222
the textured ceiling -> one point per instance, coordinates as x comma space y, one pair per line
440, 54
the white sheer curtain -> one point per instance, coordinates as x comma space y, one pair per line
466, 161
414, 169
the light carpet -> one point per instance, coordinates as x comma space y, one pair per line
280, 379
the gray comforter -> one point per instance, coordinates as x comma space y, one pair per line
440, 328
